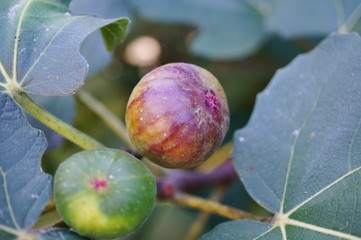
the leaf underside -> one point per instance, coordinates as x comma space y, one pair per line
24, 187
59, 233
299, 156
40, 45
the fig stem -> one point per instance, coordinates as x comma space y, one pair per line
69, 132
173, 187
112, 121
187, 181
187, 200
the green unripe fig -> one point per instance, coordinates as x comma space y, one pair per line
177, 115
104, 193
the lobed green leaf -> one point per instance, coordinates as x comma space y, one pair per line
59, 233
39, 53
299, 155
24, 187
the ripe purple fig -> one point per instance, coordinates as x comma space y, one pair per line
177, 115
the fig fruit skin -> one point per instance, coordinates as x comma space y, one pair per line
104, 193
177, 115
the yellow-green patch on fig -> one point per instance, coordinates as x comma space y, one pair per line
104, 193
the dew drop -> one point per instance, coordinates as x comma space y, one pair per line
241, 139
34, 196
295, 132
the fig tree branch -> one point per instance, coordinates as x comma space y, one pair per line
188, 181
187, 200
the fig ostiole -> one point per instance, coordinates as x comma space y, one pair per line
104, 193
177, 115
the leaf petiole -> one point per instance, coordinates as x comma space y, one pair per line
72, 134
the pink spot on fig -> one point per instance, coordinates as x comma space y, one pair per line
211, 100
250, 167
99, 184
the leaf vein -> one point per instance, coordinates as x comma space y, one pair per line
261, 235
322, 190
322, 230
295, 143
352, 144
7, 197
17, 35
44, 51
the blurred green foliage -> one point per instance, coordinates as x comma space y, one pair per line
242, 78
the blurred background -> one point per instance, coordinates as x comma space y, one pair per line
242, 42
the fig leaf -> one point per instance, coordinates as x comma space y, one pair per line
299, 155
40, 36
24, 187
